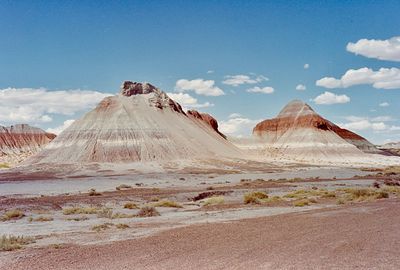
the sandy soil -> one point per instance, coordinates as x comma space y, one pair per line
360, 236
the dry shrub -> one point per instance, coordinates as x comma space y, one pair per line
148, 211
122, 226
130, 205
214, 200
101, 227
256, 197
41, 219
166, 203
10, 242
12, 215
80, 210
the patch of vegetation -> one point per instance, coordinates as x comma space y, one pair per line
93, 192
130, 205
154, 199
214, 200
101, 227
255, 197
306, 193
81, 218
12, 215
41, 219
302, 202
10, 242
392, 189
123, 186
122, 226
362, 194
80, 210
208, 194
148, 211
166, 203
4, 166
121, 215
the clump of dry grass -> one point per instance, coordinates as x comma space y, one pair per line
256, 197
80, 210
101, 227
122, 226
214, 200
4, 166
154, 199
121, 215
108, 213
392, 189
166, 203
41, 219
130, 205
302, 202
123, 186
93, 192
81, 218
10, 242
148, 211
12, 215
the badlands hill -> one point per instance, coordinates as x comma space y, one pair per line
141, 123
299, 133
21, 141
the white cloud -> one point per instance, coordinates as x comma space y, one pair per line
238, 126
236, 80
264, 90
384, 104
384, 78
301, 87
59, 129
388, 49
328, 98
199, 86
306, 66
235, 115
188, 101
394, 128
210, 71
33, 106
363, 125
377, 124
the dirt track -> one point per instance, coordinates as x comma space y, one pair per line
361, 236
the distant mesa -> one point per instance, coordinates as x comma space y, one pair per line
141, 123
20, 141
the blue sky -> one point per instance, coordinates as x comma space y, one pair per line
95, 45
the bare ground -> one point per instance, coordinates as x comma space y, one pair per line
358, 236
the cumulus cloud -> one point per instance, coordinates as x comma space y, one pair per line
306, 66
264, 90
328, 98
59, 129
210, 71
238, 126
388, 49
33, 106
199, 86
236, 80
384, 104
377, 124
188, 101
301, 87
363, 125
384, 78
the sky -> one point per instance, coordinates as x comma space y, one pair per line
240, 61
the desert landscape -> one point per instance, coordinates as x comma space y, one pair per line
139, 172
221, 135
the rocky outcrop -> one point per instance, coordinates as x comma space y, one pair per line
20, 141
207, 119
299, 115
159, 100
139, 124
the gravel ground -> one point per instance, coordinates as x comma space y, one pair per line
359, 236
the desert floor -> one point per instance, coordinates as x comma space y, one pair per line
311, 218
